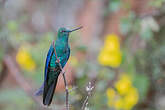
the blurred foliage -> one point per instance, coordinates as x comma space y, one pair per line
127, 71
114, 5
157, 3
15, 95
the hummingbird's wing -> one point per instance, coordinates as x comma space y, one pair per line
48, 58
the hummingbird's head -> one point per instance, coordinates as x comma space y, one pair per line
65, 32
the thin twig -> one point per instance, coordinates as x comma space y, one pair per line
3, 74
85, 103
65, 82
89, 89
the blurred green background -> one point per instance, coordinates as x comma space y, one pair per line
120, 50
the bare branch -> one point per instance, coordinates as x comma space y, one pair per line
89, 89
3, 74
14, 71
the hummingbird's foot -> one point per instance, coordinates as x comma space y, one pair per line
58, 60
63, 72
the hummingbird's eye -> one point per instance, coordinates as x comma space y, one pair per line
62, 31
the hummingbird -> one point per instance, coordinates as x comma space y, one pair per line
60, 51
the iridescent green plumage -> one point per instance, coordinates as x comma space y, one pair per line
63, 52
52, 69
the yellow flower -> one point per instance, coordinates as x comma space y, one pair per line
126, 96
110, 55
111, 96
110, 93
118, 103
110, 103
112, 43
112, 59
123, 85
131, 98
24, 59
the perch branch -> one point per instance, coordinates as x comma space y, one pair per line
3, 74
65, 82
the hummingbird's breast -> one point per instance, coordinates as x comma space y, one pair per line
62, 50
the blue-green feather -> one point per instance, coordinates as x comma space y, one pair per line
52, 69
48, 58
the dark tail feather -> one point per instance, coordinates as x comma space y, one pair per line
48, 93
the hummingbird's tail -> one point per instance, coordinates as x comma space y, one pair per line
48, 92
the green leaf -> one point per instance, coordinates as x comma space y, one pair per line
12, 25
127, 23
146, 34
157, 3
114, 5
141, 82
125, 26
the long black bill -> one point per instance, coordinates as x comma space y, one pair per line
76, 29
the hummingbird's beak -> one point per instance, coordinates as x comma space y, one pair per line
76, 29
